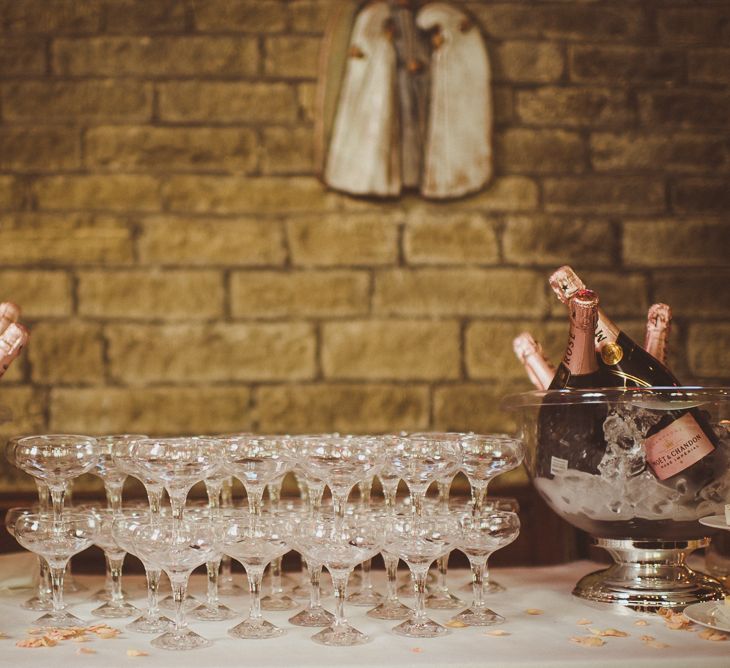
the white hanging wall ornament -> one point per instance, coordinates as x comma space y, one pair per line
403, 101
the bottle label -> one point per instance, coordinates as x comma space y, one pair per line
558, 465
676, 447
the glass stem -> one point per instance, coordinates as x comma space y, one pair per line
478, 568
212, 569
391, 569
314, 496
154, 496
339, 583
366, 582
179, 592
213, 488
115, 570
177, 503
444, 488
418, 498
443, 569
57, 587
58, 494
114, 497
255, 499
226, 568
315, 574
303, 488
153, 586
478, 492
43, 494
275, 572
44, 581
419, 586
255, 575
389, 493
227, 492
274, 488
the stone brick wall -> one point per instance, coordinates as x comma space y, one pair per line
182, 269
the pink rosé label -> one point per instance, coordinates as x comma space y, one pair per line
676, 447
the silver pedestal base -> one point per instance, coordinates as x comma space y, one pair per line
648, 575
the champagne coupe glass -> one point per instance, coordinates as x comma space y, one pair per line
421, 460
480, 534
341, 462
126, 461
123, 528
254, 540
366, 595
256, 461
55, 459
114, 554
484, 457
419, 541
277, 599
57, 538
177, 545
178, 463
341, 543
226, 585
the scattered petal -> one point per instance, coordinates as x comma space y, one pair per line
136, 652
641, 622
534, 611
614, 633
85, 650
497, 633
583, 622
647, 638
416, 650
711, 634
456, 624
588, 641
655, 644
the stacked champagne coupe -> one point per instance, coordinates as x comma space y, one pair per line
339, 536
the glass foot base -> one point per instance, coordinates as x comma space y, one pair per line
213, 613
443, 599
390, 610
302, 591
425, 628
168, 603
366, 597
37, 605
342, 635
278, 602
255, 630
490, 587
484, 617
113, 610
312, 617
104, 595
145, 624
61, 619
175, 640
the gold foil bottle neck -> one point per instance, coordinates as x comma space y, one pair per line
565, 283
583, 309
525, 345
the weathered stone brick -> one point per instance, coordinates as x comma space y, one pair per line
509, 193
76, 101
119, 192
611, 64
50, 16
709, 354
694, 24
152, 410
475, 407
696, 108
274, 294
22, 56
552, 241
623, 294
391, 350
287, 150
171, 149
170, 240
528, 62
670, 243
503, 103
310, 15
234, 194
307, 99
605, 194
167, 295
473, 292
346, 408
262, 16
343, 240
489, 351
27, 407
66, 352
39, 148
227, 101
574, 106
701, 195
132, 16
658, 152
571, 21
217, 352
12, 193
40, 293
540, 151
156, 56
28, 239
456, 238
292, 56
710, 66
695, 293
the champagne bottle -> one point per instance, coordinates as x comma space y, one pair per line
570, 436
622, 357
12, 341
9, 313
657, 331
538, 368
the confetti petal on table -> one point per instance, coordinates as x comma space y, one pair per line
588, 641
85, 650
456, 624
641, 622
583, 622
497, 633
711, 634
136, 652
534, 611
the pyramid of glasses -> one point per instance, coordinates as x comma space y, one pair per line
182, 536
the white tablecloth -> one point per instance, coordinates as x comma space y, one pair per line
534, 640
